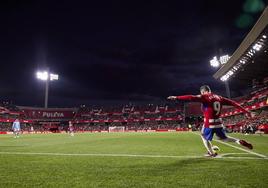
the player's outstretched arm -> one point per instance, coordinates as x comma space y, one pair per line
235, 104
196, 98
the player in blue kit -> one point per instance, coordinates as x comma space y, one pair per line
16, 128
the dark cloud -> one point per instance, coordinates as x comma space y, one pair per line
111, 51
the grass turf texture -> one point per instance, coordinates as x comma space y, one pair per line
190, 169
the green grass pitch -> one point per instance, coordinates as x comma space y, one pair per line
173, 159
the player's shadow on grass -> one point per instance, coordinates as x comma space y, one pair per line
186, 162
180, 166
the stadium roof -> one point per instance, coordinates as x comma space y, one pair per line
250, 60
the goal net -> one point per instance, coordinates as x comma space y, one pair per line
117, 129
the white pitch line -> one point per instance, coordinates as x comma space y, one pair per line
226, 154
241, 149
257, 158
99, 155
129, 155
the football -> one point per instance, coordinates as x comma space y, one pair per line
215, 148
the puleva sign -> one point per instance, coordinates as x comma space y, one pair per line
53, 114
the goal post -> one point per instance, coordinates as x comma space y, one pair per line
116, 129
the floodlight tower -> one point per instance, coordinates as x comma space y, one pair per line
47, 77
219, 62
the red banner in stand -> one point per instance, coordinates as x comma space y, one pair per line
8, 120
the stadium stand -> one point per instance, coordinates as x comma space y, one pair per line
133, 118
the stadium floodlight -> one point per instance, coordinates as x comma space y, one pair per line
217, 62
224, 78
224, 59
47, 77
54, 77
264, 36
249, 54
242, 61
214, 62
257, 47
253, 51
42, 75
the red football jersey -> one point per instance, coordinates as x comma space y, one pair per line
211, 107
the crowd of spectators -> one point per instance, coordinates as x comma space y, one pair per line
252, 99
140, 117
128, 112
239, 123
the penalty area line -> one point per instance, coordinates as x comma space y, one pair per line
127, 155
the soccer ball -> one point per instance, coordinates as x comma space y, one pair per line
215, 148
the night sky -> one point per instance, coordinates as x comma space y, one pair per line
115, 52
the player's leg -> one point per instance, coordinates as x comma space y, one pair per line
222, 135
206, 136
15, 132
